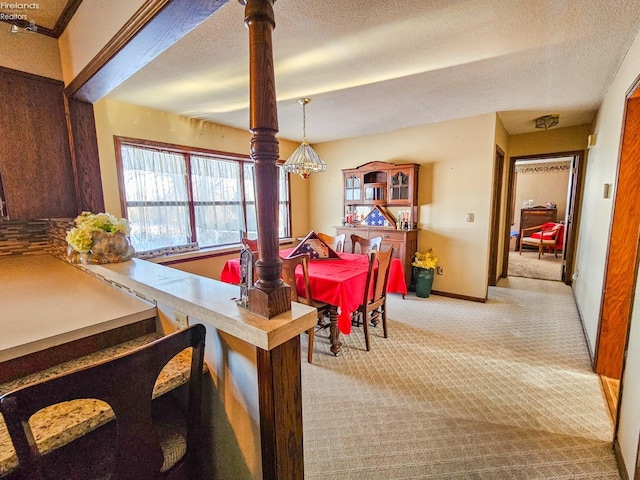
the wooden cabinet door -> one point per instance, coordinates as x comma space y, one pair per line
35, 159
400, 190
353, 189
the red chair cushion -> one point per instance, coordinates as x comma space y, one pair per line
547, 231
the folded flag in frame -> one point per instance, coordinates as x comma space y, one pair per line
378, 217
316, 248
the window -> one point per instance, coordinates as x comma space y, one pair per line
176, 195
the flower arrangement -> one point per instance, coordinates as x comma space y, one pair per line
426, 260
87, 224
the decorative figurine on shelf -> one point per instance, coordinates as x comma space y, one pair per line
246, 274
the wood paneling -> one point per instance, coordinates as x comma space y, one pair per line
84, 153
35, 159
621, 262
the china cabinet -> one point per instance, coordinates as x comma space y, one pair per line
393, 188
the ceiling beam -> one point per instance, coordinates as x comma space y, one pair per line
156, 26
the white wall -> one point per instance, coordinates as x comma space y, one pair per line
592, 245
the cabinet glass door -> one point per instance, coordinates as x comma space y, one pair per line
352, 189
399, 187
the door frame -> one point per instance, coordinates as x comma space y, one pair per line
575, 188
496, 206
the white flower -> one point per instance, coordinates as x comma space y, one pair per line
81, 236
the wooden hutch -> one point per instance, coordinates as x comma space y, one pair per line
393, 187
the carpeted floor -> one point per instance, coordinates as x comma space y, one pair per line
461, 390
527, 265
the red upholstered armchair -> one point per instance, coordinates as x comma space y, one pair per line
548, 235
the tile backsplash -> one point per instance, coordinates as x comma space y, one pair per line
36, 237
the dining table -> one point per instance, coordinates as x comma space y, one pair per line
339, 282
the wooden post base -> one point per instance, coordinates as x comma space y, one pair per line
269, 304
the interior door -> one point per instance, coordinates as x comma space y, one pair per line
620, 272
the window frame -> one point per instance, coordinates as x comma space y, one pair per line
187, 152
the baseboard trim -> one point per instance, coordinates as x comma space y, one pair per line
459, 297
620, 461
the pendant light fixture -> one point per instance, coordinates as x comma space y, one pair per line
304, 161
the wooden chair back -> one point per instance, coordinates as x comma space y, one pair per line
364, 244
252, 244
289, 266
374, 301
126, 384
336, 243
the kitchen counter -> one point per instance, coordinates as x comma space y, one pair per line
209, 301
47, 302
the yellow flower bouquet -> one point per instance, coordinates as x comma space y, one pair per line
427, 260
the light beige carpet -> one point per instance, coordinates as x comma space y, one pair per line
461, 390
527, 265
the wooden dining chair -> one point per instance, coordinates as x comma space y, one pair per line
364, 244
149, 439
289, 266
336, 243
374, 302
251, 243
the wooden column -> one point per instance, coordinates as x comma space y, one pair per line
280, 394
269, 296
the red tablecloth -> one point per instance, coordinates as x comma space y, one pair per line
337, 282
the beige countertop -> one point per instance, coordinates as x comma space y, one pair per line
47, 302
209, 301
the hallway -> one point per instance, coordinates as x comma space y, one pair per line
461, 390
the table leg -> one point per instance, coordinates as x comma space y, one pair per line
334, 333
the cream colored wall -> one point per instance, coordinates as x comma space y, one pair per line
456, 168
566, 139
91, 28
592, 246
31, 53
542, 187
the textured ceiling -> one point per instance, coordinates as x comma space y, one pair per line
373, 66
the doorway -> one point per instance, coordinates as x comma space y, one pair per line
552, 183
540, 198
